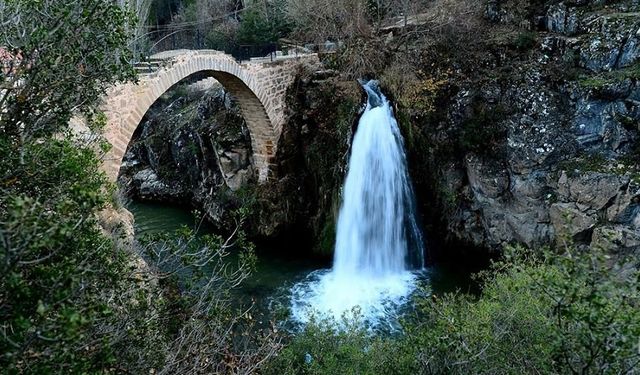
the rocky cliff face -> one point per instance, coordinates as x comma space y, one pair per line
312, 159
192, 147
536, 140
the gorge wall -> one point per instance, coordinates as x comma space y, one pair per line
192, 147
534, 138
524, 129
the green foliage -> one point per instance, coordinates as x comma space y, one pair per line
505, 331
161, 11
56, 265
66, 54
594, 162
450, 198
331, 144
326, 158
626, 165
327, 237
221, 39
422, 94
199, 271
575, 312
262, 25
202, 324
241, 203
601, 80
558, 313
483, 133
185, 252
595, 301
525, 40
64, 287
328, 347
73, 302
247, 201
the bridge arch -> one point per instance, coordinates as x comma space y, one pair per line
258, 87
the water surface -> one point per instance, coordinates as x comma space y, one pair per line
273, 284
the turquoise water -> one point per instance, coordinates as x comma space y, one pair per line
270, 285
159, 217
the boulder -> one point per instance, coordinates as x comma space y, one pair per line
569, 221
592, 190
616, 238
562, 19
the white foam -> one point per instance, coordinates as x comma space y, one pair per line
325, 294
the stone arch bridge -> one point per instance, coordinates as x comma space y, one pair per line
259, 86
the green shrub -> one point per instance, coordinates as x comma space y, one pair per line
483, 132
327, 237
575, 312
264, 25
64, 286
506, 331
329, 347
599, 81
525, 40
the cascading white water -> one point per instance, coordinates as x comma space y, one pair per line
377, 210
378, 241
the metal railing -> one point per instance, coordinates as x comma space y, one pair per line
194, 39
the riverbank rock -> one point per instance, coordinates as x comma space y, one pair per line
192, 147
117, 223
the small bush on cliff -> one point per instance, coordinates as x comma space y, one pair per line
483, 133
525, 40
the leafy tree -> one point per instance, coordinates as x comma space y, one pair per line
264, 22
57, 269
65, 54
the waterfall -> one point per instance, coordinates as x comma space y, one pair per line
378, 241
376, 224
